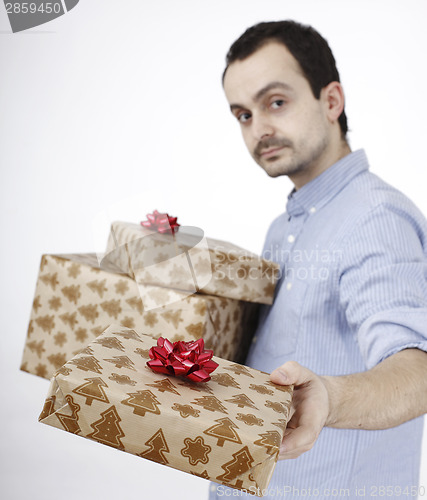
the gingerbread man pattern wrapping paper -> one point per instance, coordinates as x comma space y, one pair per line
181, 261
198, 428
75, 300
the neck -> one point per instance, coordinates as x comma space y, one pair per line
330, 156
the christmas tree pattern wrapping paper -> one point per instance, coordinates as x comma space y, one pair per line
188, 261
227, 430
75, 301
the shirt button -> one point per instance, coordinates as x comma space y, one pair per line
254, 340
291, 238
288, 286
312, 210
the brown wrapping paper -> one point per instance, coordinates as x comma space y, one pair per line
227, 430
190, 262
75, 301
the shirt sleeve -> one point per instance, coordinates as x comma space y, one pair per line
383, 283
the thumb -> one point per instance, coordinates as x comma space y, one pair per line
288, 374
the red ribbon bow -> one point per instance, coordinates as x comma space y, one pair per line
162, 223
186, 359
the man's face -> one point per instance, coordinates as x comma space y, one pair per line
284, 126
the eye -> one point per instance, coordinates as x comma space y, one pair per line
277, 103
243, 117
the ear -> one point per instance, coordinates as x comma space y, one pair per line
333, 97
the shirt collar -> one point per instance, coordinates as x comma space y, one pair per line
316, 193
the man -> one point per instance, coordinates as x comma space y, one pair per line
348, 325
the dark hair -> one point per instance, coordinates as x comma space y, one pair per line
307, 46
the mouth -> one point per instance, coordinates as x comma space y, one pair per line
270, 152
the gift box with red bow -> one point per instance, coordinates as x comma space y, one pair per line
224, 423
75, 300
161, 252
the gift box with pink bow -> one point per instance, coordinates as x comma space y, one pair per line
161, 252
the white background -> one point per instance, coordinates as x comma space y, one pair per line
116, 109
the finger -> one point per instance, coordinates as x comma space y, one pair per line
291, 373
302, 431
297, 441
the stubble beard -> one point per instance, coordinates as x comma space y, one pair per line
296, 163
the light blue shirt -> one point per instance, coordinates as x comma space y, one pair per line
353, 290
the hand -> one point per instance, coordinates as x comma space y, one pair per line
309, 410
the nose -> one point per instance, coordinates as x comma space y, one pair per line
262, 127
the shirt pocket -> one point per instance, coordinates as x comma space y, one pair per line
285, 319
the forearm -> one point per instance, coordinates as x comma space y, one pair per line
389, 394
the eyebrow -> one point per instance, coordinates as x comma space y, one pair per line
261, 93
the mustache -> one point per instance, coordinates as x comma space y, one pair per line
271, 142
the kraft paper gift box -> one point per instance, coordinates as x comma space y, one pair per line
227, 430
187, 260
75, 301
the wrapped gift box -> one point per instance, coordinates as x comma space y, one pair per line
75, 301
228, 429
190, 262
